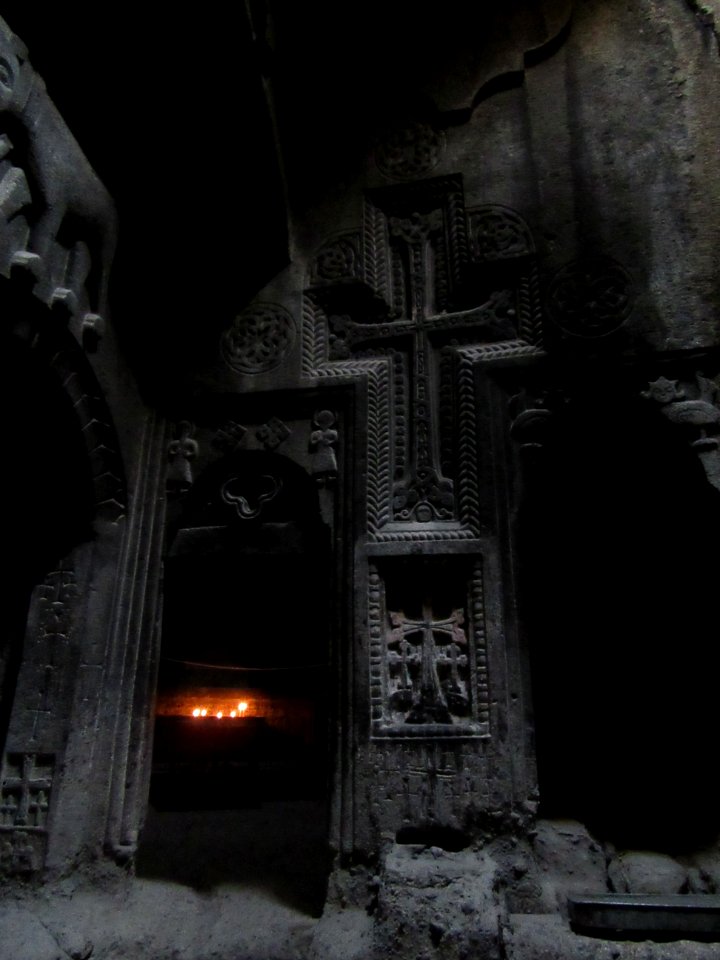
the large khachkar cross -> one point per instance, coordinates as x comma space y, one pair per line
422, 281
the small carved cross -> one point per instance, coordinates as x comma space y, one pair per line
415, 640
25, 796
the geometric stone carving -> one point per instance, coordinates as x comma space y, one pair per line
273, 433
591, 297
695, 407
228, 437
428, 669
258, 339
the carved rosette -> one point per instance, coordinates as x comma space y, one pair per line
336, 261
590, 298
498, 233
410, 151
259, 339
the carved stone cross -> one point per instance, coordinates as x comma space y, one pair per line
25, 792
417, 277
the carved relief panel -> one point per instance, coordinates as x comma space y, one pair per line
409, 305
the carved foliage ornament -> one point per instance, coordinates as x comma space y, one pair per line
592, 297
259, 339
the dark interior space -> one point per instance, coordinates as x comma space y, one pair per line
619, 583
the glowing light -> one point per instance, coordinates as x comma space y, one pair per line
219, 714
233, 713
242, 707
203, 712
196, 712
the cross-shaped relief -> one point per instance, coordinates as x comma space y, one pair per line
25, 794
428, 663
405, 306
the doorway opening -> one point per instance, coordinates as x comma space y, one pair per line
241, 767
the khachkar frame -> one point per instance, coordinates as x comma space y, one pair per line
409, 308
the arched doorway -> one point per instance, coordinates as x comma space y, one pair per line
241, 753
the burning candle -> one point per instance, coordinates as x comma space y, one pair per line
242, 707
196, 712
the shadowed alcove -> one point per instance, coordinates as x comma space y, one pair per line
47, 493
619, 580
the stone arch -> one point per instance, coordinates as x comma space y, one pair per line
63, 491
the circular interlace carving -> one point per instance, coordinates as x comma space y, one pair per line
498, 233
410, 151
591, 297
259, 338
336, 260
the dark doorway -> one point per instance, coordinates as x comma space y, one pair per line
239, 787
619, 575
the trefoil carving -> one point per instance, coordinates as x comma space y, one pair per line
248, 504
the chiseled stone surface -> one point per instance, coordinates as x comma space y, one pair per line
494, 214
